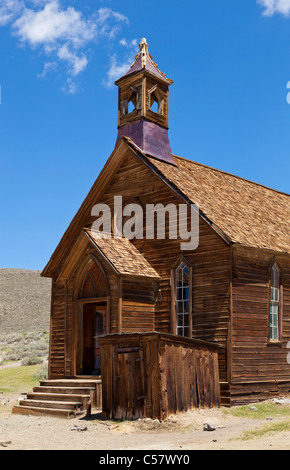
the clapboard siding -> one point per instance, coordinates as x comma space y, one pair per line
254, 358
57, 332
211, 261
138, 305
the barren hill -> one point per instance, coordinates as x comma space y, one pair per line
24, 301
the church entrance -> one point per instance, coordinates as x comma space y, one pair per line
94, 326
92, 321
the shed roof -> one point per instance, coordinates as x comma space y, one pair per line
122, 255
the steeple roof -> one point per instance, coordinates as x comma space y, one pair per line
143, 60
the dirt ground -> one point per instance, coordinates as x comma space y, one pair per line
179, 432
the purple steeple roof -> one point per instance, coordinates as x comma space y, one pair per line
143, 60
151, 138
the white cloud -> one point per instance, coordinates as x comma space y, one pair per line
275, 6
54, 24
119, 67
70, 87
125, 43
77, 63
9, 10
64, 34
48, 67
116, 71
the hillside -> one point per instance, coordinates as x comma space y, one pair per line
24, 301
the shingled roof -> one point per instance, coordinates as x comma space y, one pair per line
122, 255
247, 213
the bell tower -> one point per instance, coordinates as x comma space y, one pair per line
143, 106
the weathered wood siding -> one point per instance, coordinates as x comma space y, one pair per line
138, 305
141, 309
57, 332
147, 375
259, 368
210, 262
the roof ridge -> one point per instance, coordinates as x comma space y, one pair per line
232, 174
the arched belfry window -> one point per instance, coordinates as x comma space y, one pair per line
275, 304
181, 317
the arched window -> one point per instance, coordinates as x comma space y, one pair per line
275, 302
182, 299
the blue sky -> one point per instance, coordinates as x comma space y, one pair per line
58, 115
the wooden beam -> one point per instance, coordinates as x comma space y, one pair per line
120, 305
93, 300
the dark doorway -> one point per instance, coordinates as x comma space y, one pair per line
94, 325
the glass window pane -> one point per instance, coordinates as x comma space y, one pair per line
182, 299
186, 293
271, 332
179, 292
274, 294
273, 308
179, 320
180, 331
179, 278
186, 331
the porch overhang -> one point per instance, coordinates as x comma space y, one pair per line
122, 255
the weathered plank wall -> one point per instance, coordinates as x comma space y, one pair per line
138, 305
57, 332
189, 377
210, 287
147, 375
259, 367
211, 261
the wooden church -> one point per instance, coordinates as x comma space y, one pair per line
228, 297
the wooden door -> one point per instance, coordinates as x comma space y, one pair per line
94, 325
129, 386
100, 330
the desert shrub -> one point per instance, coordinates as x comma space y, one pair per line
42, 373
12, 357
14, 347
32, 335
13, 338
42, 346
31, 361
